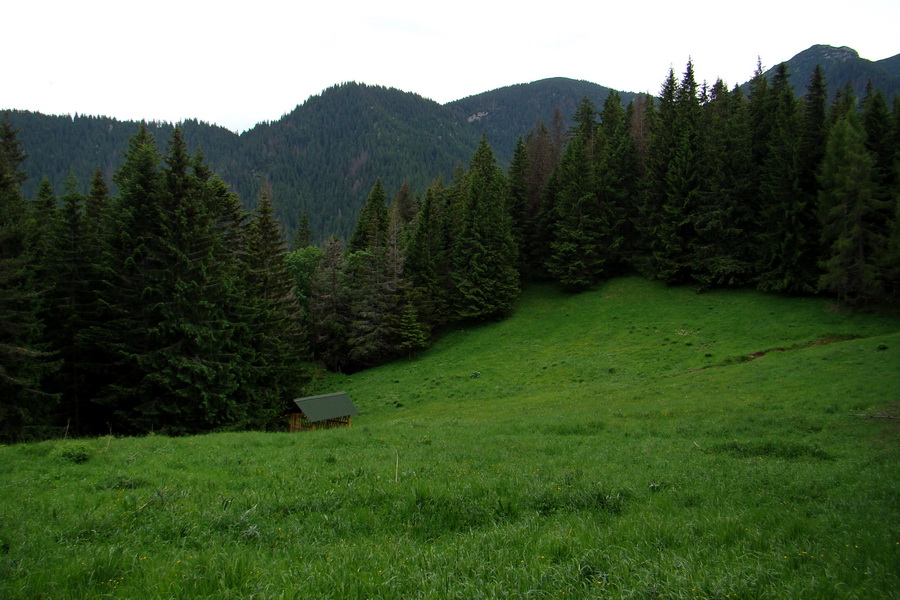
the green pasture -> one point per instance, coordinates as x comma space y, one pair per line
636, 441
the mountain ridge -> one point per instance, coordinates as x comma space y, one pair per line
324, 155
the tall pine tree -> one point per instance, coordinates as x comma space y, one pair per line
24, 363
579, 252
661, 129
372, 223
724, 221
484, 256
789, 232
329, 308
275, 313
617, 181
675, 231
853, 230
427, 263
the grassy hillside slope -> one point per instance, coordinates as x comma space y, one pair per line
632, 442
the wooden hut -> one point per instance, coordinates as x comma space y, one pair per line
321, 412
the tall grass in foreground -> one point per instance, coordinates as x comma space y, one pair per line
619, 444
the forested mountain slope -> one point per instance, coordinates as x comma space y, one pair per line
324, 156
507, 113
57, 145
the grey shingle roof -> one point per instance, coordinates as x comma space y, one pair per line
326, 406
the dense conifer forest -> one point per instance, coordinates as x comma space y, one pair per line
165, 305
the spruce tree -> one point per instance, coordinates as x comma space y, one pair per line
46, 206
303, 237
540, 249
24, 363
407, 331
453, 198
372, 223
405, 205
639, 117
813, 132
723, 219
95, 250
70, 303
278, 338
760, 115
302, 264
484, 257
130, 298
880, 142
194, 363
890, 259
661, 120
380, 295
329, 308
789, 226
45, 201
589, 206
617, 180
252, 403
674, 231
585, 121
97, 201
369, 328
411, 331
558, 135
517, 176
894, 138
853, 230
578, 252
542, 159
844, 103
377, 286
876, 123
427, 262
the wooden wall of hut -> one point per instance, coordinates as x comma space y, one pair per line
299, 422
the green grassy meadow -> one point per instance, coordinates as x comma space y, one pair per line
636, 441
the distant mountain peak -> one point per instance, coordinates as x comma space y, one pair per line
843, 65
841, 54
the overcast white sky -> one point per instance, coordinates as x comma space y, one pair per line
239, 63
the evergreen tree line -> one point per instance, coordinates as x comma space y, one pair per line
703, 186
709, 187
168, 308
165, 308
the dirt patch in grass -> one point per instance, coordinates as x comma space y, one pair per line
822, 340
889, 420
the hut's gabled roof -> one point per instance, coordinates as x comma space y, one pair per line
326, 406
